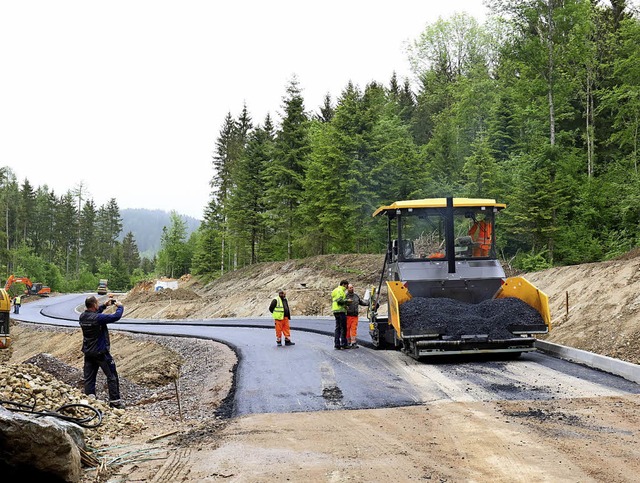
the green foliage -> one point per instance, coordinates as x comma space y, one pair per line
54, 278
174, 257
336, 268
138, 275
531, 262
86, 281
106, 271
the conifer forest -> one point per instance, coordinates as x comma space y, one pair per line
537, 107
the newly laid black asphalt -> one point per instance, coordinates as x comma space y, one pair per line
313, 376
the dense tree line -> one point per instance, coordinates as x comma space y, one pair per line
66, 241
539, 107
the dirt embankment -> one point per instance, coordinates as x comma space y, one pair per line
247, 292
596, 306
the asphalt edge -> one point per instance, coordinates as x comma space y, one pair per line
626, 370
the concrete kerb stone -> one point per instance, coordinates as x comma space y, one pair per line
624, 369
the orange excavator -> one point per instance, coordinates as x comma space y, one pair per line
32, 288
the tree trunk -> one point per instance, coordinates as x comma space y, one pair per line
589, 126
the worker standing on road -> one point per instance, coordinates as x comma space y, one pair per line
353, 307
339, 308
96, 347
17, 302
279, 308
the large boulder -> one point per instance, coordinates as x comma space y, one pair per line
44, 448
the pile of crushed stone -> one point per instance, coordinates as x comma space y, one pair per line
28, 386
455, 318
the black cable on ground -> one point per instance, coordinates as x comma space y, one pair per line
86, 422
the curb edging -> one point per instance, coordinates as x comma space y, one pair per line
624, 369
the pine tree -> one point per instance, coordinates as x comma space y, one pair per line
246, 205
174, 257
89, 247
285, 175
327, 110
207, 255
130, 252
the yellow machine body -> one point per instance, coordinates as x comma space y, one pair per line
5, 310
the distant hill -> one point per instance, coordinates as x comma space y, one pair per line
146, 226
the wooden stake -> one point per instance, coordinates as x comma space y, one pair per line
156, 438
175, 383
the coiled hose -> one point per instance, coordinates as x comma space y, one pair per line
93, 420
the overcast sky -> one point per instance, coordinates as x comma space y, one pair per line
127, 97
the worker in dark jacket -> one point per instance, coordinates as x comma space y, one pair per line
339, 309
353, 307
96, 347
279, 308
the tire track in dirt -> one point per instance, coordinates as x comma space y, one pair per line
175, 468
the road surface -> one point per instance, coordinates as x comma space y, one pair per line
312, 376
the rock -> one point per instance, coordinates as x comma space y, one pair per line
46, 449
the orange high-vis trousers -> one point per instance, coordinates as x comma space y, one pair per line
282, 328
352, 328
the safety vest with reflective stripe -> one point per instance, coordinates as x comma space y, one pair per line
339, 299
278, 311
481, 233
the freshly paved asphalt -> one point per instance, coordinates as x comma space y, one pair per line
313, 376
310, 376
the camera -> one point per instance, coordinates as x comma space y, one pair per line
113, 301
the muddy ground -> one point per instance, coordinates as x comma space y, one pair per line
595, 307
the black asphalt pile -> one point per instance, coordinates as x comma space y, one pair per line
490, 317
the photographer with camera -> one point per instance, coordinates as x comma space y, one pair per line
96, 346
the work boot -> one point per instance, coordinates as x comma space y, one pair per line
288, 342
354, 345
117, 404
279, 343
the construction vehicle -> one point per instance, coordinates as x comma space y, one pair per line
102, 286
5, 309
32, 288
441, 252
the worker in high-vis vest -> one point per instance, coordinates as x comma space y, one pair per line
279, 308
339, 309
17, 301
480, 233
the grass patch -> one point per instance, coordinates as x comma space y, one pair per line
355, 271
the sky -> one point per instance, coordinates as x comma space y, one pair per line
125, 99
